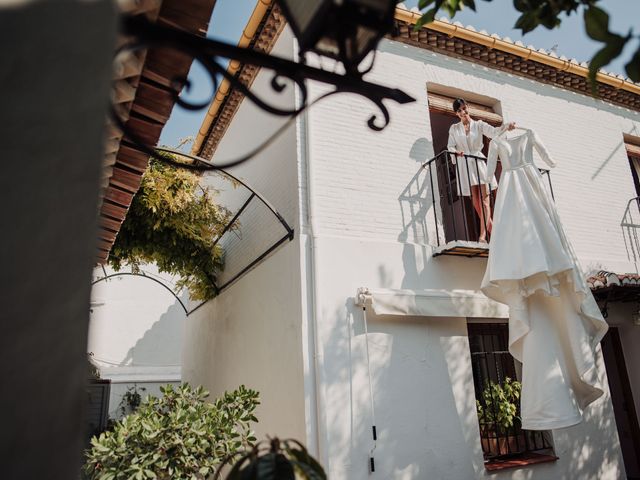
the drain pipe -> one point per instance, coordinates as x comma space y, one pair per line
318, 423
374, 434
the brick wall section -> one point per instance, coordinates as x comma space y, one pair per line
361, 174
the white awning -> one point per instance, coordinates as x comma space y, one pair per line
431, 303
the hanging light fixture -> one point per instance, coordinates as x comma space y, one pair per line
346, 30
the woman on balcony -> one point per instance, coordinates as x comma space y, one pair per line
466, 138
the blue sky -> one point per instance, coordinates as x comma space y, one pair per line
498, 16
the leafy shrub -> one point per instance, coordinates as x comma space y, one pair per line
178, 436
173, 223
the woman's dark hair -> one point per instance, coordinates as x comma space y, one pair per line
457, 103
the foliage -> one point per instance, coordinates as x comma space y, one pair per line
131, 400
276, 459
179, 436
500, 404
93, 371
173, 222
547, 13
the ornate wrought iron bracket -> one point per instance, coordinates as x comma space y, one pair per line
208, 52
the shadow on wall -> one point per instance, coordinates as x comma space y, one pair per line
421, 390
442, 273
591, 450
416, 415
419, 198
161, 345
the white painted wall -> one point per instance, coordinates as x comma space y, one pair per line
423, 390
135, 333
361, 175
261, 331
421, 376
251, 333
272, 172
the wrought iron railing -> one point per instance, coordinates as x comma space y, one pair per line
456, 218
630, 225
493, 367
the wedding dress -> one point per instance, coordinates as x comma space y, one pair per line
554, 321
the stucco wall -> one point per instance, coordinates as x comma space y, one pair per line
251, 333
135, 332
272, 172
368, 230
423, 391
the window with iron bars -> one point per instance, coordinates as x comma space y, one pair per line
497, 390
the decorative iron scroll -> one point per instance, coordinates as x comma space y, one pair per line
208, 53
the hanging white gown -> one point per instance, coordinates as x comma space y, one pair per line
554, 321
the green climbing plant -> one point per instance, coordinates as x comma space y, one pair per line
173, 222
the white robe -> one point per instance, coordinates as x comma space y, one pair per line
555, 324
469, 171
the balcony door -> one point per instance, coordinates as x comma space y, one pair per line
458, 217
623, 402
633, 152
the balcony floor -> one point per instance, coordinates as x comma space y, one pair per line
462, 248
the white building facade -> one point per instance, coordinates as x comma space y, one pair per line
366, 215
135, 334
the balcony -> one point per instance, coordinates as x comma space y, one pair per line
457, 224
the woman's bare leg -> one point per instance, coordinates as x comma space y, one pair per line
486, 201
482, 206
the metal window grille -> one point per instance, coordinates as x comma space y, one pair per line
492, 366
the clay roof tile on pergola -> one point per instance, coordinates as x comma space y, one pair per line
143, 97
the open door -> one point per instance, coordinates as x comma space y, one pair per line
459, 219
623, 403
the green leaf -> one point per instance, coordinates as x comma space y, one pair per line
311, 468
274, 466
527, 22
424, 3
613, 48
452, 7
428, 17
633, 67
521, 5
596, 22
470, 3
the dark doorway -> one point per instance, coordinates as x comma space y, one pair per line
458, 216
623, 404
457, 211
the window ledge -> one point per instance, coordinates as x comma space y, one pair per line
518, 461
